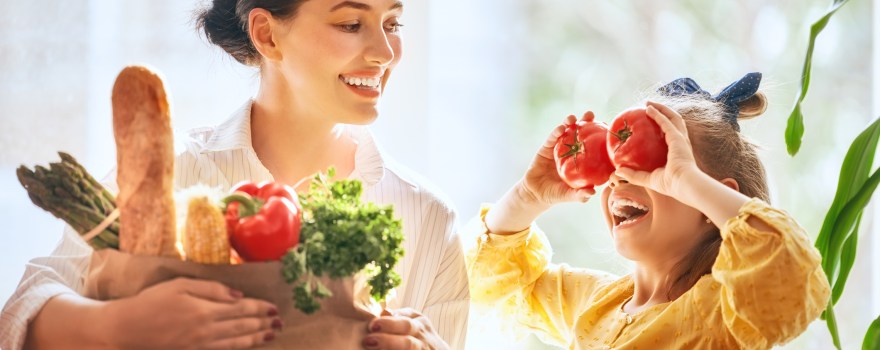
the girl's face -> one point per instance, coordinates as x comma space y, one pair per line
336, 56
649, 227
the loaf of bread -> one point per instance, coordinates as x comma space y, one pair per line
145, 164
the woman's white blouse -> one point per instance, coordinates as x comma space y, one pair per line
433, 268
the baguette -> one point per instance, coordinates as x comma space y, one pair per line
145, 164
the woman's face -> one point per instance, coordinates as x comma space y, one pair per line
649, 227
336, 56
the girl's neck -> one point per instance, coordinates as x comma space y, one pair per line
294, 144
652, 285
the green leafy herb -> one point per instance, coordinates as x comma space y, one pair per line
340, 236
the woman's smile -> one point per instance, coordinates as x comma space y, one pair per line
364, 83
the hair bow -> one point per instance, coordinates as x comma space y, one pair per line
729, 97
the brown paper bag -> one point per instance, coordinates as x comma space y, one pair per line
340, 324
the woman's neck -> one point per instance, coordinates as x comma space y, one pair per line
294, 144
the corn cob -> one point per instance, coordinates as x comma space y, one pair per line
204, 236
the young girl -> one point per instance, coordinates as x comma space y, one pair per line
716, 267
323, 66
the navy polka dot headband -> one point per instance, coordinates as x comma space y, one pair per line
729, 97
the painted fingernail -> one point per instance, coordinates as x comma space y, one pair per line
276, 323
237, 294
273, 312
269, 337
375, 327
370, 342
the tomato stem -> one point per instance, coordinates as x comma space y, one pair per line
623, 134
575, 148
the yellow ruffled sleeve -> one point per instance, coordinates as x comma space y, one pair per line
772, 284
513, 275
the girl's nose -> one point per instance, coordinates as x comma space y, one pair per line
615, 180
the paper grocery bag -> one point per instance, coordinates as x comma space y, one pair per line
340, 324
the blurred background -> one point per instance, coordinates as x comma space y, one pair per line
480, 86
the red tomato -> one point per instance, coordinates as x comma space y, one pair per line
581, 159
635, 141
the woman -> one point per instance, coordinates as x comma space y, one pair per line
323, 67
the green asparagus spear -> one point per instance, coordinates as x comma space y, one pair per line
69, 192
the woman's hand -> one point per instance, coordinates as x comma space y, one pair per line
404, 329
680, 163
191, 314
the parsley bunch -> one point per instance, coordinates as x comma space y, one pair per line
340, 236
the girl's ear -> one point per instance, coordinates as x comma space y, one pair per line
261, 27
730, 182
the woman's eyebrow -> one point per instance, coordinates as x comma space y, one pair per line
362, 6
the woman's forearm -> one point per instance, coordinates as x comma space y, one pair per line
70, 321
514, 212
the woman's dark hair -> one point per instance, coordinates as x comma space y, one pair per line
225, 24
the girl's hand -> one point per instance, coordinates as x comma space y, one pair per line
542, 185
680, 162
538, 190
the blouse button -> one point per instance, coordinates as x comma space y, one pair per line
629, 319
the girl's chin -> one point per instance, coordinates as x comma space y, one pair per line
631, 254
628, 246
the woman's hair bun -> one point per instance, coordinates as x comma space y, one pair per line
224, 26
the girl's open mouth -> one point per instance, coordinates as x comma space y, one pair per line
625, 212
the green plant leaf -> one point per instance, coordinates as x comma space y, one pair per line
853, 174
872, 337
846, 224
847, 258
794, 130
831, 320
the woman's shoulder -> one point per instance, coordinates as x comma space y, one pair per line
232, 133
415, 188
391, 181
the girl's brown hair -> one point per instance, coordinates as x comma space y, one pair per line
721, 152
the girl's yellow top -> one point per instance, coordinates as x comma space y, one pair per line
765, 288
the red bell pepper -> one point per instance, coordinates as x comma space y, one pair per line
263, 221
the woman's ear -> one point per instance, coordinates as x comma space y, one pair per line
729, 182
261, 27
